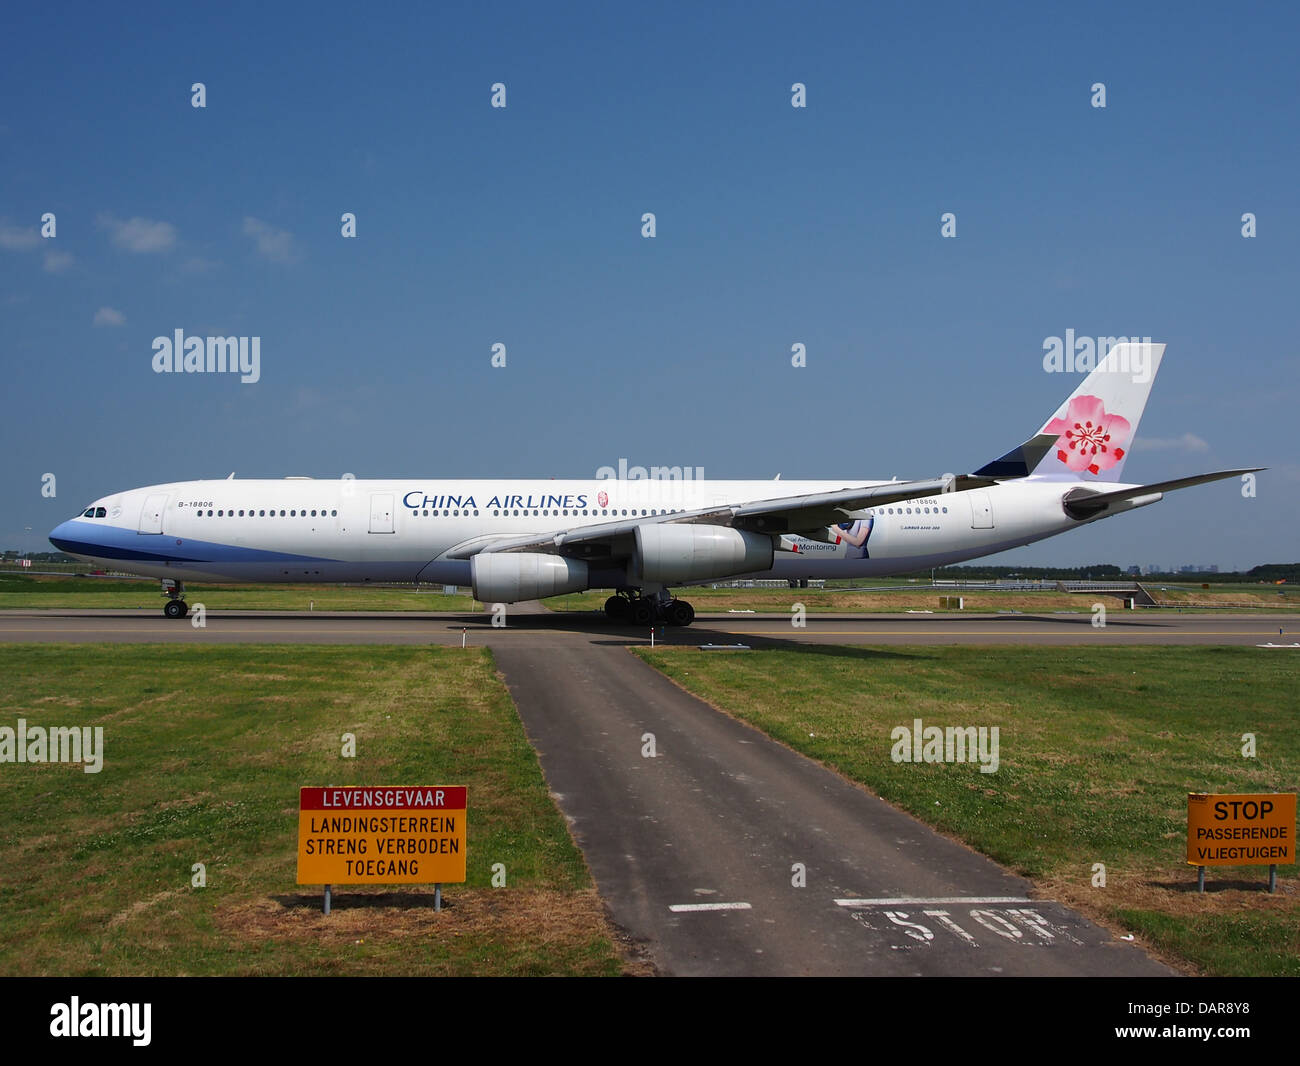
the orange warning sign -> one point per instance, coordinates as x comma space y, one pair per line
379, 835
1247, 830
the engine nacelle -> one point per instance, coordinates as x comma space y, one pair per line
508, 577
672, 554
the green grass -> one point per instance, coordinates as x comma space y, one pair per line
80, 593
204, 751
1098, 750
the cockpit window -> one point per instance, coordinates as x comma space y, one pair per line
101, 512
89, 512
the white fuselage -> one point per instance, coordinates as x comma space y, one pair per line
306, 530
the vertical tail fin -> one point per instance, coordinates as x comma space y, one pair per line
1089, 437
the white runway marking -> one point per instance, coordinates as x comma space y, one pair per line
679, 907
935, 900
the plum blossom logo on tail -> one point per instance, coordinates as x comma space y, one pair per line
1090, 438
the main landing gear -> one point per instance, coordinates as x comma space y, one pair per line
635, 609
175, 607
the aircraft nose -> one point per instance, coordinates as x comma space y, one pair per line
61, 537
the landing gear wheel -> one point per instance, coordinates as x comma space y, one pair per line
176, 609
680, 613
617, 608
643, 612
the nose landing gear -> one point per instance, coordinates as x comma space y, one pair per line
175, 607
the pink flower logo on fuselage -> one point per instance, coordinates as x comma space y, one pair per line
1090, 439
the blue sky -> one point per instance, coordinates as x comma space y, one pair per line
775, 225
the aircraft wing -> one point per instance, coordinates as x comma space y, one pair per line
808, 513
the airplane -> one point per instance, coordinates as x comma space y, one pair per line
515, 540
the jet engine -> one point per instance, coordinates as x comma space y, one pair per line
673, 554
509, 577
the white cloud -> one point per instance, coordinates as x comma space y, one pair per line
108, 316
57, 262
17, 239
273, 244
1188, 442
139, 234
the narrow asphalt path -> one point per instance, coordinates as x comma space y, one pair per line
721, 815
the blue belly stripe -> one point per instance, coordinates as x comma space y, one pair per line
113, 542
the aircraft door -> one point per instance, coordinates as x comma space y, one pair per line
151, 514
981, 510
381, 512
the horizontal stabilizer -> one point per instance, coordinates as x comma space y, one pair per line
1080, 503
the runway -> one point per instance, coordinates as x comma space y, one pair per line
531, 626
